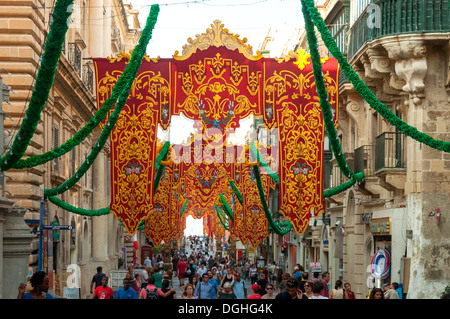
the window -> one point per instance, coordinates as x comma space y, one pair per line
55, 145
357, 8
338, 30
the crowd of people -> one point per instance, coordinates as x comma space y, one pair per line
202, 275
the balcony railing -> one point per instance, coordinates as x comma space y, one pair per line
327, 172
390, 150
74, 57
88, 77
399, 17
365, 160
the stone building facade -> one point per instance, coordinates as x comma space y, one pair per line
98, 28
401, 50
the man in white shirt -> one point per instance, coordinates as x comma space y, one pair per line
317, 289
201, 270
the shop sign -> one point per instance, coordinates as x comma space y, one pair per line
315, 267
381, 226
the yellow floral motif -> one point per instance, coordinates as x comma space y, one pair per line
302, 59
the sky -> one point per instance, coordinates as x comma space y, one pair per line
179, 20
252, 19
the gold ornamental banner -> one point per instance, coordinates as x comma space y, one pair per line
217, 81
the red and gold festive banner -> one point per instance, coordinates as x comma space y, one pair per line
217, 81
158, 224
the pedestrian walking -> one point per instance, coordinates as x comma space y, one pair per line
188, 292
39, 283
148, 262
262, 282
269, 292
182, 266
97, 279
253, 273
308, 289
227, 292
302, 282
325, 280
376, 293
292, 291
165, 288
158, 275
391, 292
317, 290
349, 294
338, 291
255, 289
153, 292
214, 284
126, 292
239, 287
104, 291
203, 289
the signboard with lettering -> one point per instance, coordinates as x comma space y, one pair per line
315, 266
381, 226
71, 293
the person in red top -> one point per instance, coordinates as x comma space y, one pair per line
255, 288
103, 291
325, 280
182, 271
349, 294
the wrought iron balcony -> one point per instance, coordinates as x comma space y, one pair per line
74, 57
365, 160
390, 151
399, 17
88, 77
327, 172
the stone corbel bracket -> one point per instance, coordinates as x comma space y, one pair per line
410, 65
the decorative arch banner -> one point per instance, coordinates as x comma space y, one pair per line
217, 81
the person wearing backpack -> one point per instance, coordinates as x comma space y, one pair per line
152, 292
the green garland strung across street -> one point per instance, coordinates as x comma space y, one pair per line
134, 64
275, 227
323, 95
226, 207
222, 217
162, 156
103, 211
236, 192
183, 208
361, 87
80, 211
263, 163
44, 82
326, 110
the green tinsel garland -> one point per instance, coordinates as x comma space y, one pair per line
44, 82
361, 87
222, 217
236, 192
275, 227
254, 150
162, 156
183, 208
226, 207
80, 211
134, 65
323, 95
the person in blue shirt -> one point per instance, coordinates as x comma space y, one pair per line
204, 289
40, 283
126, 292
213, 283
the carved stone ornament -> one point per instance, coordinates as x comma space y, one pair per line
217, 36
410, 65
